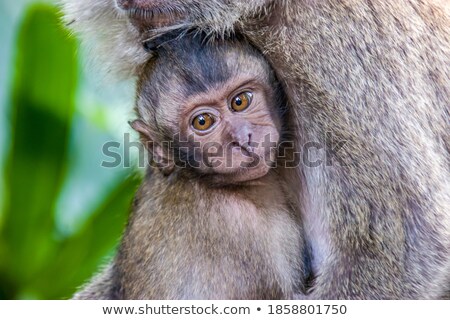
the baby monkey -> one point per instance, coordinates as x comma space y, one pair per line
212, 219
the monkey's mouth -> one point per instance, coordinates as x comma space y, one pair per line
154, 18
247, 150
253, 159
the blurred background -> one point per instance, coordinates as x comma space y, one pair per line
61, 211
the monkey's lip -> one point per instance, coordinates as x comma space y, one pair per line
250, 176
156, 17
247, 151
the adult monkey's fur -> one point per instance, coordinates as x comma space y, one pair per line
373, 73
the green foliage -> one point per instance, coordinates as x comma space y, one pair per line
36, 261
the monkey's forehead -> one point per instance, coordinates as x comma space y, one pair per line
205, 61
197, 73
180, 73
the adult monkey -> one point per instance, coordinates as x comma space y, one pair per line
373, 73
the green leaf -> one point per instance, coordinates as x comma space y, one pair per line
35, 262
80, 256
42, 108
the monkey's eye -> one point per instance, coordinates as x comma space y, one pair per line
241, 101
203, 122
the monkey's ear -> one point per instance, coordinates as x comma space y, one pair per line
161, 158
140, 127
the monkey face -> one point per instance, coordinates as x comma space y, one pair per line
217, 104
150, 14
232, 132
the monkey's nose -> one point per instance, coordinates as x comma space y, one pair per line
247, 145
137, 4
242, 139
241, 132
124, 4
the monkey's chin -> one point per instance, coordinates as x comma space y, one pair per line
249, 175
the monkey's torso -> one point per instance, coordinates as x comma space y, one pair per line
186, 240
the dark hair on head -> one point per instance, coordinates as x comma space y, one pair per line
199, 62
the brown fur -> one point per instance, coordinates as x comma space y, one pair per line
187, 240
191, 234
377, 75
